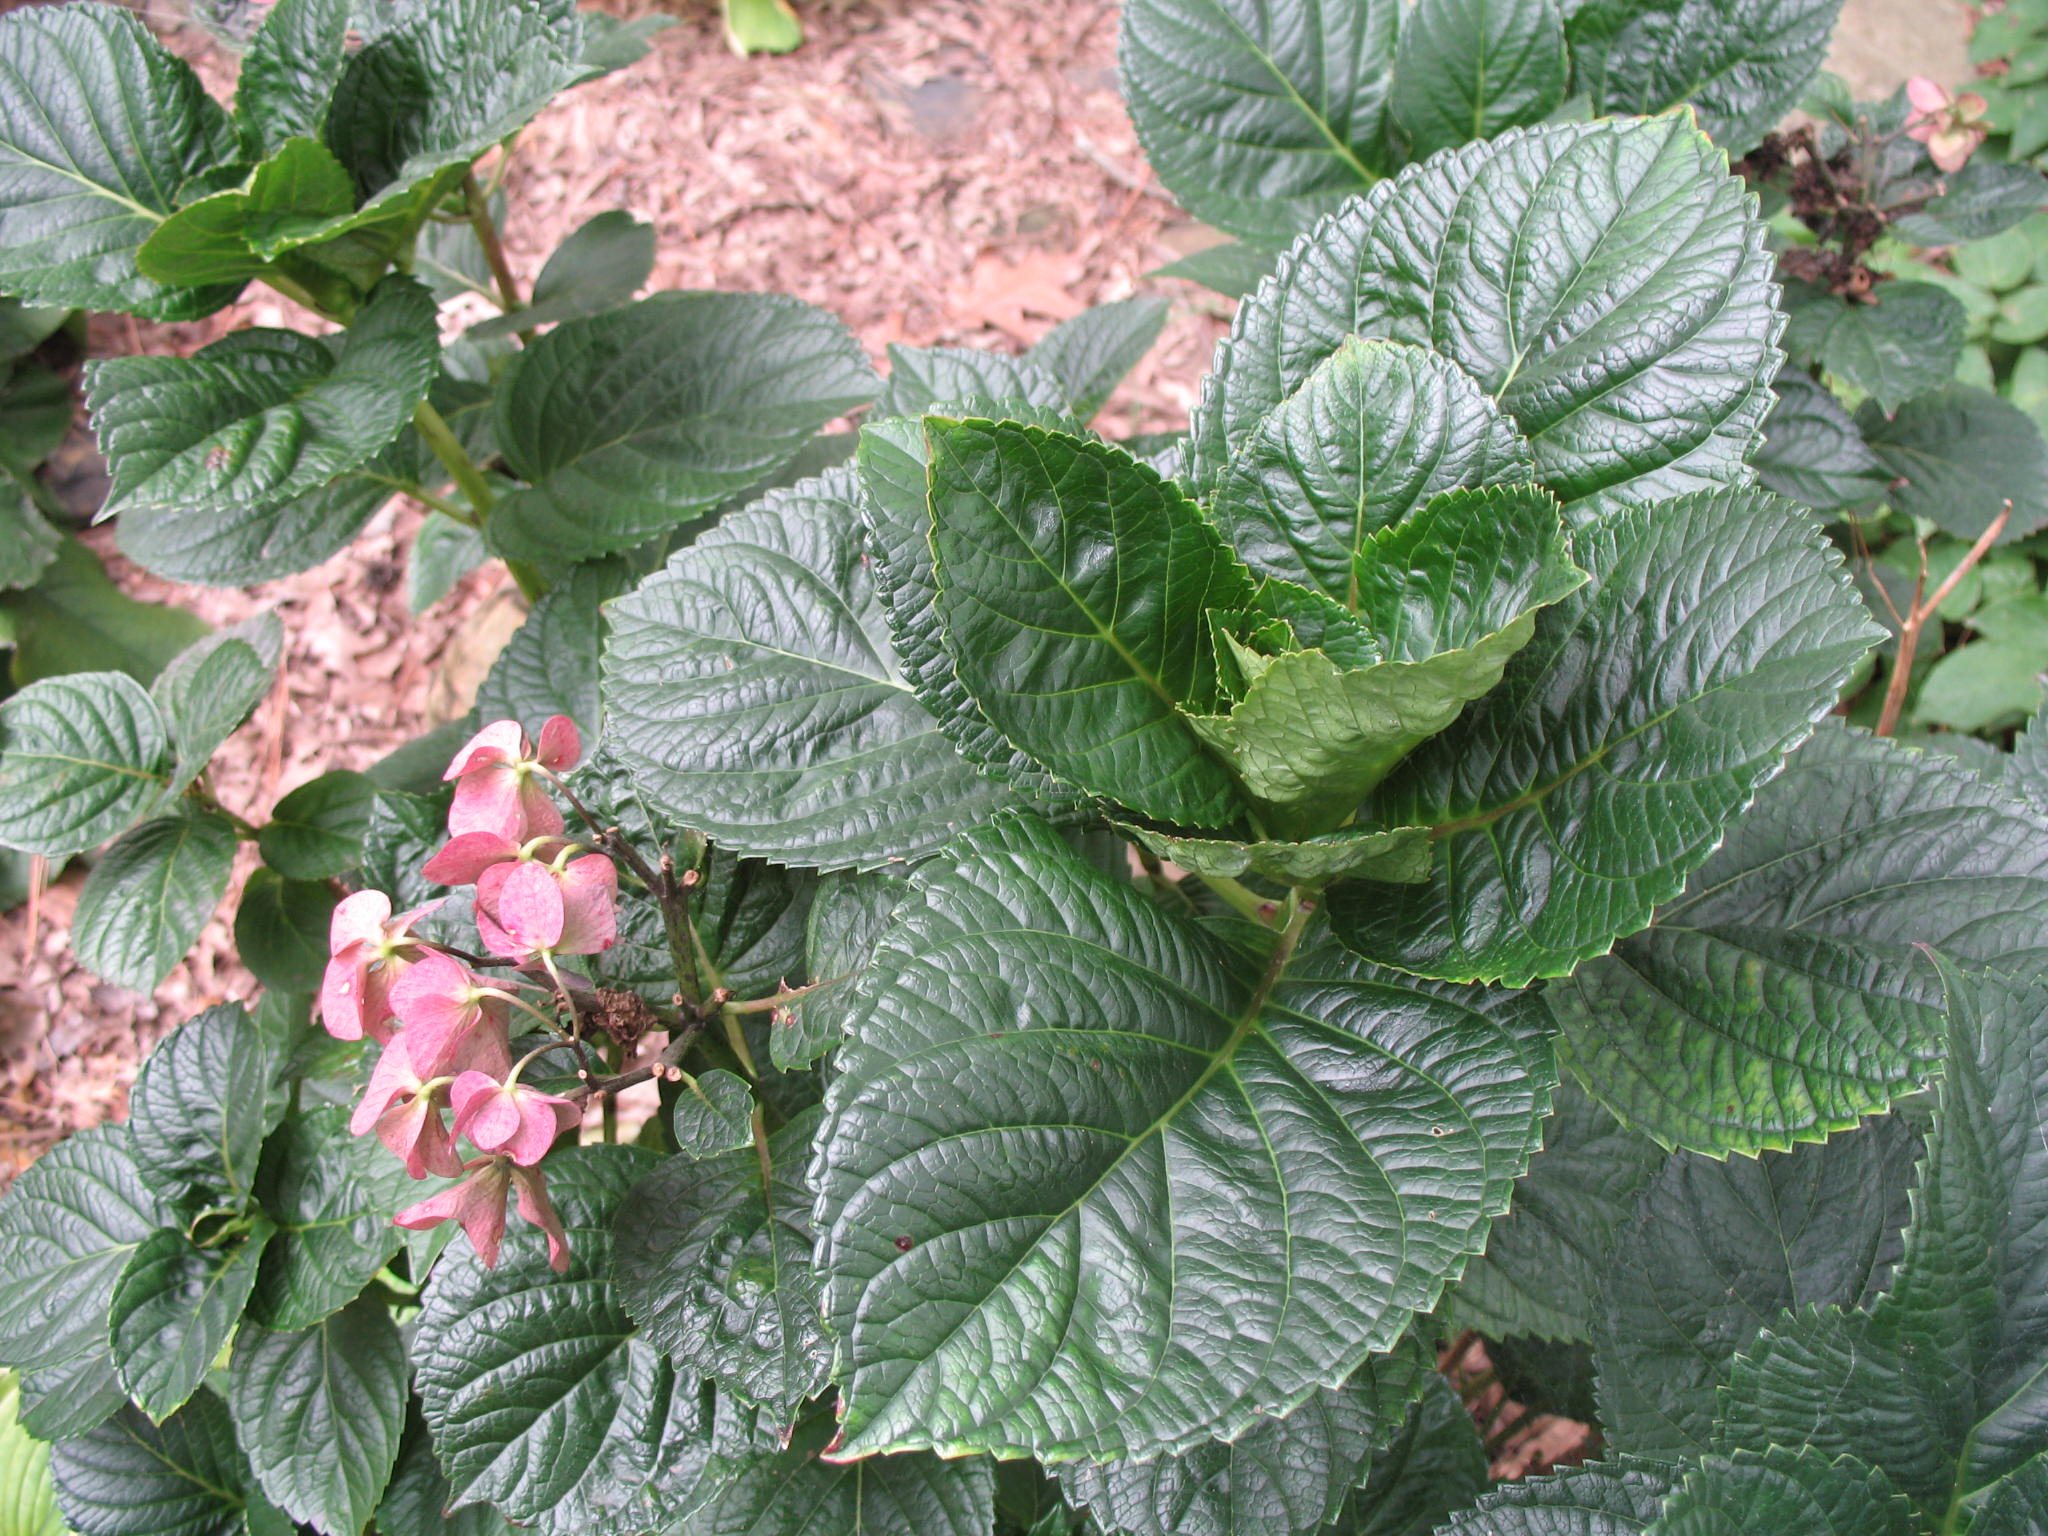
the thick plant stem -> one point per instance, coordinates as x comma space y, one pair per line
1246, 901
447, 447
1921, 611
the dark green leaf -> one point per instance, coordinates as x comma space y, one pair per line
1635, 358
263, 417
229, 236
1983, 199
1940, 1384
99, 127
27, 541
1469, 68
320, 1412
76, 620
1399, 856
1785, 1492
599, 267
281, 929
1778, 999
921, 378
1091, 353
717, 1269
550, 665
1374, 433
750, 918
203, 1103
629, 422
129, 1477
288, 74
1545, 1376
333, 1196
1433, 1466
751, 688
1622, 741
317, 830
1125, 1156
713, 1114
1812, 451
845, 922
443, 552
208, 689
59, 1402
792, 1492
1904, 344
1958, 456
1541, 1272
1616, 1497
149, 895
1716, 1250
1052, 560
1741, 65
414, 1503
81, 759
1260, 117
173, 1309
1231, 269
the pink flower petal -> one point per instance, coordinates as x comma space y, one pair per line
466, 856
478, 1202
535, 1206
342, 986
1926, 95
560, 745
590, 905
502, 741
392, 1079
529, 907
358, 919
436, 999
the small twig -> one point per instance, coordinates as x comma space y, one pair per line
1922, 611
667, 1063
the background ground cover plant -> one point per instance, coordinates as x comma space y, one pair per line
1169, 1183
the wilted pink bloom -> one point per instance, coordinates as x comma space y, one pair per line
447, 1010
511, 1118
368, 952
405, 1112
478, 1202
529, 908
499, 789
1950, 126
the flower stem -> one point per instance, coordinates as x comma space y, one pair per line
1920, 612
486, 228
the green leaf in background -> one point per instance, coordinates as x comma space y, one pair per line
443, 84
1260, 117
332, 1196
1125, 1257
1232, 269
281, 930
1469, 68
129, 1477
845, 923
1740, 64
82, 758
1541, 1272
1434, 1465
1622, 741
1283, 1477
751, 688
1617, 1496
1904, 344
149, 895
1376, 431
630, 422
317, 830
443, 552
287, 76
714, 1114
1778, 999
921, 378
1785, 1492
794, 1491
173, 1309
76, 620
1314, 862
542, 1397
1960, 454
319, 1413
1718, 1248
1091, 353
717, 1269
262, 417
1053, 557
550, 665
600, 266
203, 1103
1939, 1384
27, 541
416, 1503
99, 127
1812, 451
1635, 359
1983, 199
28, 1499
1991, 682
610, 43
206, 691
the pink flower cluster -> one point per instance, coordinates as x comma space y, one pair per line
444, 1028
1951, 126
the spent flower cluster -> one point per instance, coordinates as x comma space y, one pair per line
445, 1029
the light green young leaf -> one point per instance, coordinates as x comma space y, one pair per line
230, 236
1581, 792
1091, 353
1469, 68
202, 1104
1126, 1256
1376, 431
99, 127
82, 758
319, 1413
716, 1268
1635, 357
28, 1499
751, 689
1778, 999
263, 417
1904, 344
129, 1477
173, 1309
628, 423
600, 266
1052, 556
1260, 116
316, 831
149, 895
